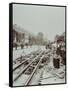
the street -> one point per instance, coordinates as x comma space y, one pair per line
47, 74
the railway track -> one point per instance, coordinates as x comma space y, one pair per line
30, 77
35, 63
25, 59
20, 65
33, 52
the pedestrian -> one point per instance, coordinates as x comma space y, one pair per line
16, 46
22, 46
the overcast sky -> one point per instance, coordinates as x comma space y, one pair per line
46, 19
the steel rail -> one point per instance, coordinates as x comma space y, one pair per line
14, 68
26, 55
26, 67
30, 77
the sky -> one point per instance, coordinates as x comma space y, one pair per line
46, 19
